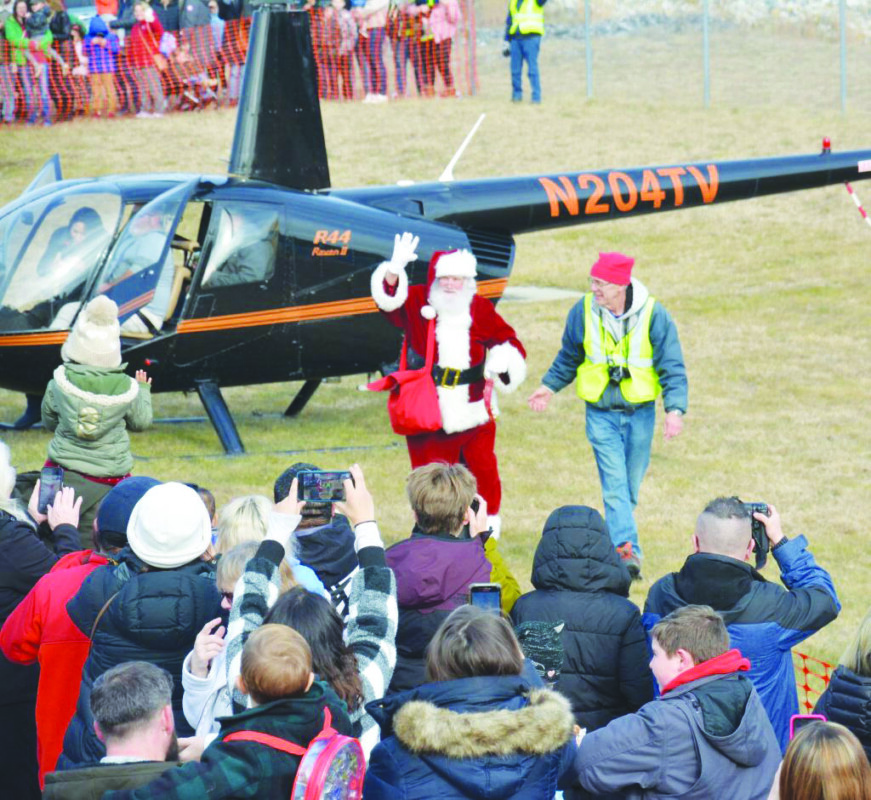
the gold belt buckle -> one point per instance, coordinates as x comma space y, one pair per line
447, 382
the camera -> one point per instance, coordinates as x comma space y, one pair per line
757, 529
616, 373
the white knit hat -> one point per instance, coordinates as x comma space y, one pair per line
169, 526
95, 339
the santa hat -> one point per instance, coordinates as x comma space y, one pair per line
613, 268
95, 339
444, 264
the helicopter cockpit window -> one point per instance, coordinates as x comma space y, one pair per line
244, 246
47, 251
137, 276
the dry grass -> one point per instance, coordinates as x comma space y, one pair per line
770, 296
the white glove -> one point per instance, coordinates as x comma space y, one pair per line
497, 362
404, 252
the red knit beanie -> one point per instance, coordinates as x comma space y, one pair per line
613, 268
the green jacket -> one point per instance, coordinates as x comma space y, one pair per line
19, 43
89, 783
249, 769
90, 410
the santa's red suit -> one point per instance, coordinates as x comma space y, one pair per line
472, 338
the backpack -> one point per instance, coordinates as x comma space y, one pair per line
331, 767
60, 26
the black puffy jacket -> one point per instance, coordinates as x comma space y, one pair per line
155, 617
848, 701
579, 579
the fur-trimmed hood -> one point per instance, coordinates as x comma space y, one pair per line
489, 737
544, 725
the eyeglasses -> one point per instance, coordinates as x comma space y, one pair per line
228, 596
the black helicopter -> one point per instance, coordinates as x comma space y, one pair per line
273, 260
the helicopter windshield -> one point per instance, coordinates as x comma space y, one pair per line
47, 251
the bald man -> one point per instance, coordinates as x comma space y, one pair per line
764, 620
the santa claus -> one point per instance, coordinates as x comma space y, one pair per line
475, 350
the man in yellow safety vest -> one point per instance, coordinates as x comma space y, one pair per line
524, 28
623, 348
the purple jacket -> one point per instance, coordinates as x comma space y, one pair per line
433, 573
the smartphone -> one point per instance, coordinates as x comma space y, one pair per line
321, 486
757, 529
487, 596
51, 481
798, 721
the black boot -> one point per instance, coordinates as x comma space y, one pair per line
32, 414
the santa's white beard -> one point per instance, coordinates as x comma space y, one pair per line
452, 302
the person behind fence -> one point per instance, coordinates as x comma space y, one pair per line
132, 708
580, 582
8, 71
40, 629
706, 731
764, 620
90, 404
847, 698
149, 607
146, 59
26, 554
340, 33
30, 57
101, 47
443, 22
481, 726
524, 29
372, 22
824, 761
622, 347
285, 701
436, 565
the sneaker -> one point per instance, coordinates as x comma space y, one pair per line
143, 115
630, 560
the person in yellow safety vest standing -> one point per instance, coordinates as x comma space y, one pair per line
524, 28
623, 348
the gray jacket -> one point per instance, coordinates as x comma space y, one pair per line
690, 743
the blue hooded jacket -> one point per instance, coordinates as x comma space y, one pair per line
101, 58
765, 621
455, 740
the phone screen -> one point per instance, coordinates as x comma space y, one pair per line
51, 481
322, 486
487, 596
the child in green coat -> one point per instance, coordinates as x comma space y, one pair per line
90, 404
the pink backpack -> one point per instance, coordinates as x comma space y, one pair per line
332, 767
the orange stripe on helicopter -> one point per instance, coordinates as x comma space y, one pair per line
342, 308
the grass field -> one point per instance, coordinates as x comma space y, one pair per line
771, 296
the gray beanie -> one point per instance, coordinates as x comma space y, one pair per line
95, 339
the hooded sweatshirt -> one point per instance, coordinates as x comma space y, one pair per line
101, 58
707, 731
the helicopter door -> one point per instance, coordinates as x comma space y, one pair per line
234, 317
141, 273
49, 173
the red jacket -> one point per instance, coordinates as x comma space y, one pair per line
144, 42
40, 629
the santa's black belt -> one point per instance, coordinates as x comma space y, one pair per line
450, 377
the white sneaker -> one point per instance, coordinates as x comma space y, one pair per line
379, 98
143, 115
369, 98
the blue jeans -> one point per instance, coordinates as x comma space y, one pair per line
7, 91
621, 444
377, 73
525, 48
36, 94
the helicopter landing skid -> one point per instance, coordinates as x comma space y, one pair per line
220, 416
302, 397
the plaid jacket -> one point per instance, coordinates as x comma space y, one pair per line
249, 769
370, 630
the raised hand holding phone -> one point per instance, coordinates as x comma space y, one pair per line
358, 505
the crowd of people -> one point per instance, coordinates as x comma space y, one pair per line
144, 59
157, 646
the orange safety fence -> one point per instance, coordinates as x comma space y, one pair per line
812, 678
406, 50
